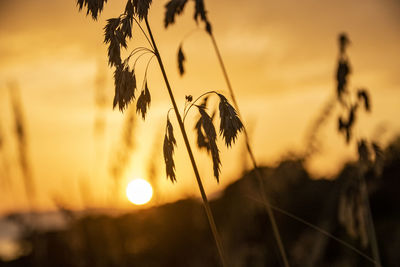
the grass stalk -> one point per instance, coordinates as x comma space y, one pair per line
22, 142
371, 226
320, 230
253, 159
206, 204
351, 106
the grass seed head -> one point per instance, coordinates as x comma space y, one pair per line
341, 76
173, 7
343, 42
210, 139
141, 8
143, 102
230, 124
125, 86
363, 96
168, 151
181, 60
94, 7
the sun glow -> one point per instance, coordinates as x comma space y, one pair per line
139, 191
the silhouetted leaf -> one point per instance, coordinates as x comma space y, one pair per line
94, 7
230, 123
200, 12
168, 150
143, 102
181, 59
202, 141
125, 86
342, 72
208, 27
208, 140
118, 29
126, 26
352, 116
110, 28
141, 8
343, 42
129, 9
343, 69
189, 98
114, 54
113, 36
363, 95
345, 128
173, 7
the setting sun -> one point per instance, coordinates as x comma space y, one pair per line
139, 191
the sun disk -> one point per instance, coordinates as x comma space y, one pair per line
139, 191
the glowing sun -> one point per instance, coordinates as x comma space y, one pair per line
139, 191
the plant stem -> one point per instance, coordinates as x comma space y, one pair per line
253, 159
320, 230
371, 227
189, 150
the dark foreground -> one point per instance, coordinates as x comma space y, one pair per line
177, 234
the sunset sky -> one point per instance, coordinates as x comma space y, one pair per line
281, 57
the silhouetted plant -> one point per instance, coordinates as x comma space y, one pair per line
343, 69
168, 149
345, 125
116, 33
354, 209
94, 7
20, 135
4, 166
174, 8
230, 126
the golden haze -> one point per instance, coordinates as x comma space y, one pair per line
281, 58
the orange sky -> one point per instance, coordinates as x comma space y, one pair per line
281, 58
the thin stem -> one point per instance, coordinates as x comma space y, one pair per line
197, 99
144, 33
168, 115
138, 49
186, 140
145, 72
364, 189
318, 229
372, 234
187, 35
253, 159
136, 60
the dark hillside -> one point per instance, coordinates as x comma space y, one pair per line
177, 234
